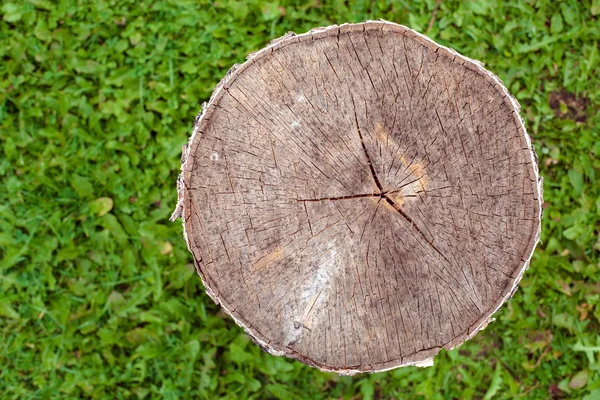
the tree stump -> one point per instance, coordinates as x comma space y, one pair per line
359, 197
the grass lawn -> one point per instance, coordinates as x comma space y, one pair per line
98, 297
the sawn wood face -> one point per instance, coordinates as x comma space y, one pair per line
359, 197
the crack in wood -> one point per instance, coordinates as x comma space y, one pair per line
384, 194
354, 196
364, 147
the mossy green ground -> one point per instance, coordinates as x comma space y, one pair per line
98, 298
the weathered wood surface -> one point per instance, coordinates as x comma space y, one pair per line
359, 197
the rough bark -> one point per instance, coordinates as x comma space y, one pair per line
359, 197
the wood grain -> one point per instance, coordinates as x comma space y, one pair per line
359, 197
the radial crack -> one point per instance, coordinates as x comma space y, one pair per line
364, 147
354, 196
409, 220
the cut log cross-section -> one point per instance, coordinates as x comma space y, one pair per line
359, 197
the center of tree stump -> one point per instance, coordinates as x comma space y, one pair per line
359, 197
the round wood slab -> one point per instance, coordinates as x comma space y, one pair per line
359, 197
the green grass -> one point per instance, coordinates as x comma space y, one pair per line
98, 297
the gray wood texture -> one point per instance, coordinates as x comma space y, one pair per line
359, 197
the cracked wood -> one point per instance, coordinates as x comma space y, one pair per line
359, 197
